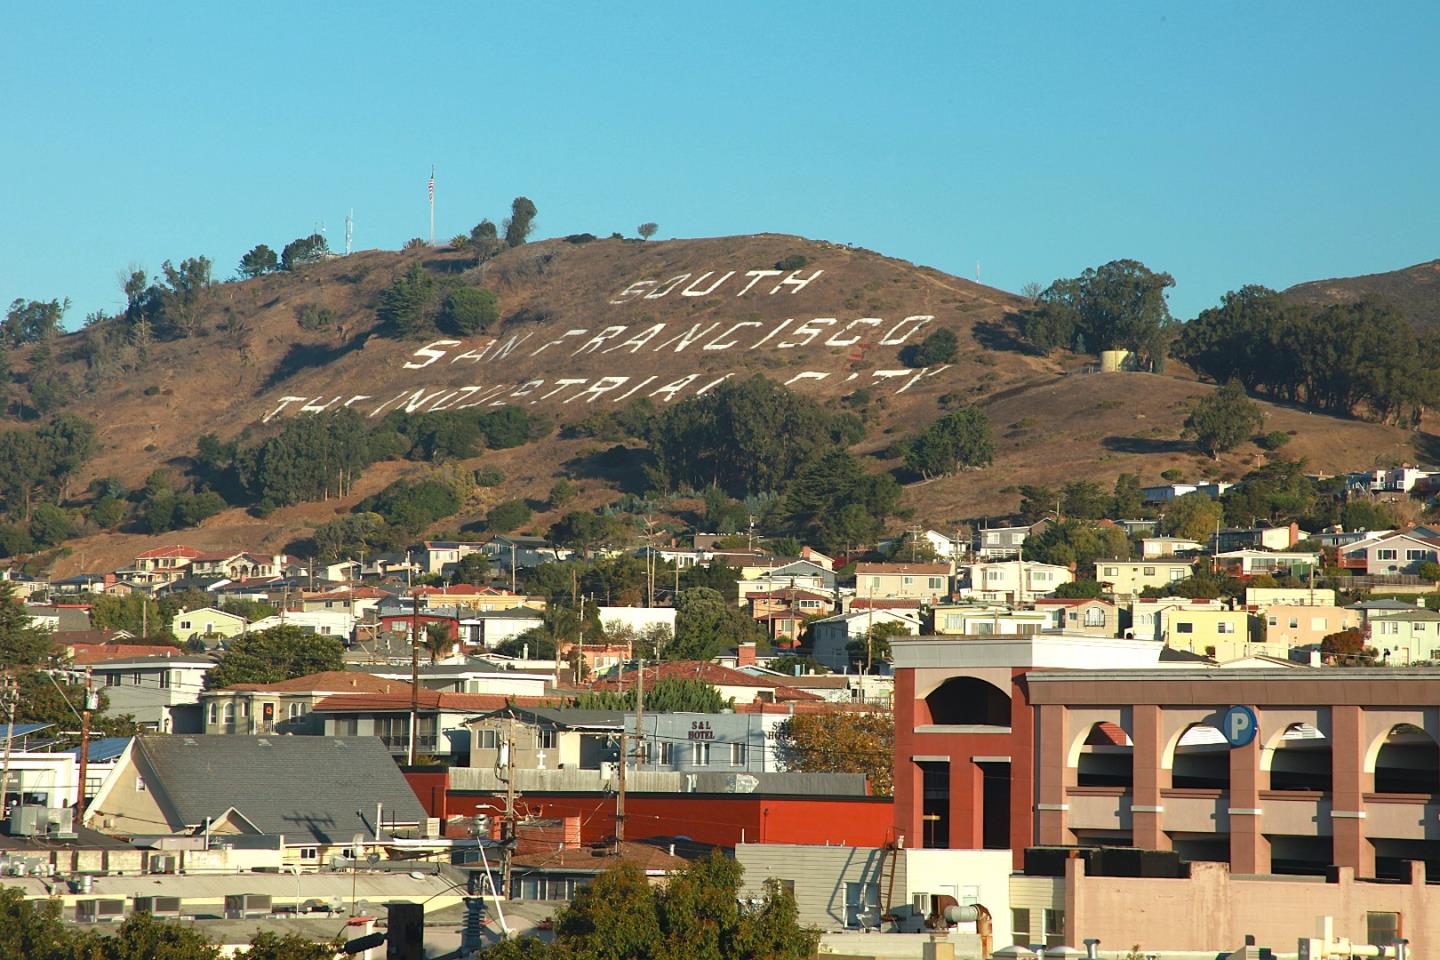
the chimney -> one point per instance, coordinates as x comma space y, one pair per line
745, 654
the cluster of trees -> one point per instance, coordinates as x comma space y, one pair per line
310, 458
32, 321
279, 653
1082, 500
416, 303
1080, 542
842, 743
36, 469
1118, 306
666, 695
260, 259
939, 346
835, 503
1337, 358
409, 506
456, 434
34, 930
697, 914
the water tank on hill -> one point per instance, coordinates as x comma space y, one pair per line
1114, 361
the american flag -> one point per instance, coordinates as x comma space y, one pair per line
432, 184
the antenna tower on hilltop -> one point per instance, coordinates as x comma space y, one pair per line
432, 205
349, 230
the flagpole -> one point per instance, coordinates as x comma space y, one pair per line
432, 205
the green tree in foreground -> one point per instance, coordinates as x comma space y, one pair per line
279, 653
1223, 420
1193, 516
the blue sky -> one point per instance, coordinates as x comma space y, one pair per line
1224, 142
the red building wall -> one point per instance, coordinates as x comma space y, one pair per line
719, 819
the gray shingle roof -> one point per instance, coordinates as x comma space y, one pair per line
323, 787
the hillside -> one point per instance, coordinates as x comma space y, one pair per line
586, 326
1416, 290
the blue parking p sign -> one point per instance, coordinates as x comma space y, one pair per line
1239, 726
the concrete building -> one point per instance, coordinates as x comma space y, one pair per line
926, 582
1220, 633
1012, 581
1291, 596
980, 619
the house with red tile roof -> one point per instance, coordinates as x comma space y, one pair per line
259, 709
738, 685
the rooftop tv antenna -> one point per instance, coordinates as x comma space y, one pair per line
349, 230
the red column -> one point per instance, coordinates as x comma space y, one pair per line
1350, 784
967, 803
907, 774
1022, 770
1249, 850
1052, 810
1146, 809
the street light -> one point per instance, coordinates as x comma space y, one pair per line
295, 870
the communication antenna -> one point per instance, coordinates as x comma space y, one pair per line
349, 230
977, 271
432, 205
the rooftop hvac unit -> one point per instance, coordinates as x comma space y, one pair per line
242, 906
30, 820
99, 911
158, 906
164, 863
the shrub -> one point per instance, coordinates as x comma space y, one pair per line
941, 346
152, 391
469, 310
507, 516
314, 317
793, 262
489, 477
1273, 440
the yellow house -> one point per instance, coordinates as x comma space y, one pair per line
206, 622
1128, 578
1289, 625
1219, 633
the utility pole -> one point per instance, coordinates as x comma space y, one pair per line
11, 699
512, 568
414, 673
507, 834
620, 793
85, 741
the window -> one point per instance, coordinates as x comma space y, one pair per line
1054, 927
862, 903
1319, 623
1112, 571
1094, 617
700, 754
165, 680
1274, 621
1178, 573
112, 679
545, 739
737, 754
874, 583
1382, 929
1224, 627
347, 727
230, 711
489, 739
1388, 629
294, 711
1416, 554
908, 581
244, 708
214, 712
1040, 576
140, 785
1019, 925
135, 678
667, 754
1149, 571
184, 624
1294, 623
1184, 628
309, 853
1387, 554
937, 583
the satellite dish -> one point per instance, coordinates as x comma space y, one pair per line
373, 859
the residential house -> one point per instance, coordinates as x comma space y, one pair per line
359, 601
1130, 578
1405, 637
442, 718
441, 556
523, 553
1398, 553
1169, 492
737, 685
490, 628
1223, 633
60, 617
926, 582
1294, 596
1096, 618
977, 619
1255, 538
545, 738
638, 619
22, 584
238, 565
1250, 563
470, 597
1013, 581
312, 794
339, 624
785, 612
1147, 617
831, 636
1401, 479
162, 564
207, 622
162, 692
472, 676
1004, 543
1157, 548
1303, 625
81, 583
261, 709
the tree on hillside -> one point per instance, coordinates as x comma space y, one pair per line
261, 259
304, 250
746, 437
402, 304
1120, 305
1223, 420
841, 743
1083, 500
1193, 516
184, 295
959, 440
469, 310
279, 653
507, 516
520, 222
939, 346
584, 531
1126, 500
647, 230
1277, 492
32, 321
835, 503
485, 240
1077, 542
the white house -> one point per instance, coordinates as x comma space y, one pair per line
330, 623
1014, 581
1397, 553
832, 634
638, 619
162, 693
1154, 548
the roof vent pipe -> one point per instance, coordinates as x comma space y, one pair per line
1092, 948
